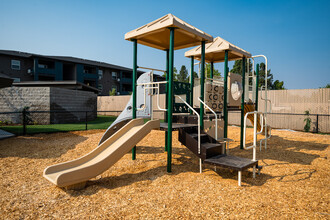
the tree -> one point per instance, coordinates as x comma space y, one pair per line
208, 71
277, 85
327, 86
175, 75
195, 76
183, 74
237, 68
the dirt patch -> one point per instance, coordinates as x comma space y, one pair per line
294, 182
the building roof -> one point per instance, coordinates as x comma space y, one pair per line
5, 81
215, 51
156, 34
66, 59
69, 84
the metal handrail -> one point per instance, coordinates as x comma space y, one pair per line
199, 131
199, 128
254, 146
152, 87
255, 133
148, 68
216, 118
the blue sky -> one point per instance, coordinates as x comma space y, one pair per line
294, 35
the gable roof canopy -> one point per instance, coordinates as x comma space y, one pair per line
157, 35
215, 51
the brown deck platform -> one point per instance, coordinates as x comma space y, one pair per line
231, 162
175, 126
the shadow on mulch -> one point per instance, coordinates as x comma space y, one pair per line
34, 146
188, 162
285, 150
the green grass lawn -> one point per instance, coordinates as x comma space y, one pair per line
101, 122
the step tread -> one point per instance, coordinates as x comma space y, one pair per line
196, 135
210, 145
231, 162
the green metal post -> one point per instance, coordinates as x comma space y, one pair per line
225, 94
257, 87
170, 101
202, 76
242, 102
191, 83
212, 65
166, 95
134, 88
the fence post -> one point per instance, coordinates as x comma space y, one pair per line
24, 121
86, 120
317, 123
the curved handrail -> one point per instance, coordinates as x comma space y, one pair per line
216, 118
254, 146
199, 128
151, 87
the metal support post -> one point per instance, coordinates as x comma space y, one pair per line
257, 88
134, 88
202, 78
191, 84
166, 95
225, 94
24, 121
86, 120
242, 101
170, 101
212, 66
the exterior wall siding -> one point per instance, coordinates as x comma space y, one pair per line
5, 67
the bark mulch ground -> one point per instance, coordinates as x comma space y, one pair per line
294, 182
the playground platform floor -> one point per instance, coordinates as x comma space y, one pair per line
294, 182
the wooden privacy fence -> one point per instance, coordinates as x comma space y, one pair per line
287, 107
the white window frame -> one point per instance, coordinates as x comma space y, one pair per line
100, 73
15, 64
116, 75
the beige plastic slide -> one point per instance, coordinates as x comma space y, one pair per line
101, 158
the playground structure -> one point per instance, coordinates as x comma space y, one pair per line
202, 129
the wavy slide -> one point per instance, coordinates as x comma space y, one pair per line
102, 157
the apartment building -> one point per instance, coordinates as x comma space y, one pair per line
35, 70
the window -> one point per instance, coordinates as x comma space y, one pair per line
46, 64
100, 87
100, 74
17, 80
15, 64
114, 75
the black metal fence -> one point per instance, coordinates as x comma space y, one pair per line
31, 122
315, 123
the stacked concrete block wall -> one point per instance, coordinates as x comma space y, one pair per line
47, 99
14, 99
71, 103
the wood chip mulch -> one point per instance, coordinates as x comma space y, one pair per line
294, 182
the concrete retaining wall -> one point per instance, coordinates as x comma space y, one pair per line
14, 99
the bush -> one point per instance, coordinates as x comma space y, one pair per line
307, 121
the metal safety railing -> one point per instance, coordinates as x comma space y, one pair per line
150, 85
255, 133
216, 117
199, 130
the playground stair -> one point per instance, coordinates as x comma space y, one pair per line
188, 136
211, 151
